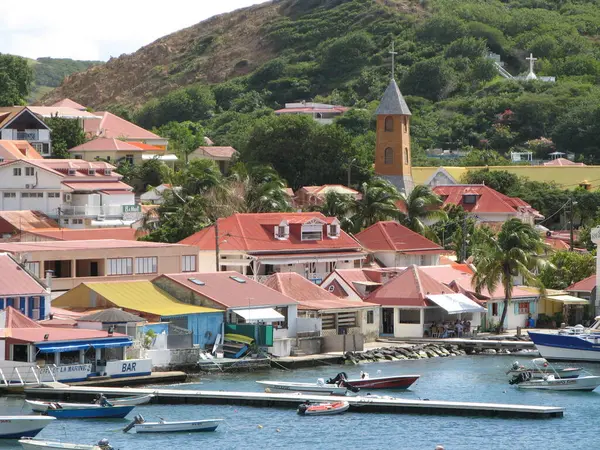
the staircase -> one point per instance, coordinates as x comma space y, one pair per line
297, 351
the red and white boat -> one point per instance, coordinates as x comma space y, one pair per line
322, 409
366, 382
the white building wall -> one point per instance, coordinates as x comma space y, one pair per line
370, 330
121, 199
44, 135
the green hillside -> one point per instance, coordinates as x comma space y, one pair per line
49, 73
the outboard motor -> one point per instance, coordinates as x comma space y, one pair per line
339, 377
520, 378
303, 407
350, 387
104, 444
136, 420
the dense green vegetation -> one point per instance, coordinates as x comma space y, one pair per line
51, 71
337, 51
15, 80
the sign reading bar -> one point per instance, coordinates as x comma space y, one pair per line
132, 208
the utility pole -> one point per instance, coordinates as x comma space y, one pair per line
571, 214
217, 255
350, 170
463, 249
59, 220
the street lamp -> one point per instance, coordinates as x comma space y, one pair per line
350, 169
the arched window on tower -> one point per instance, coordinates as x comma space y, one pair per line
406, 156
406, 124
389, 123
388, 156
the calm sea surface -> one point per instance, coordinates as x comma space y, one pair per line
476, 379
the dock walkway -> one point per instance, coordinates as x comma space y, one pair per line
291, 400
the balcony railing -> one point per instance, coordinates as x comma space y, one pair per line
92, 211
26, 135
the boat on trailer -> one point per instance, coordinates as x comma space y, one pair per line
553, 382
320, 387
35, 444
42, 406
366, 382
542, 369
140, 425
322, 409
15, 427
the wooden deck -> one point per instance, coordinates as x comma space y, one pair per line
364, 404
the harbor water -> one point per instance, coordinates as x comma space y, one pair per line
465, 378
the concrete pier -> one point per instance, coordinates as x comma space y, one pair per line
483, 344
290, 400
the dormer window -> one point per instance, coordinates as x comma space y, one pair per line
469, 199
333, 230
91, 171
282, 231
71, 172
312, 232
107, 171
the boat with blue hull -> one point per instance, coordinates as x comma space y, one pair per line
93, 412
577, 347
16, 427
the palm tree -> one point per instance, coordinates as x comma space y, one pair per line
337, 205
420, 206
378, 202
516, 251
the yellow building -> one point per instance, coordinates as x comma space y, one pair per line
114, 151
567, 177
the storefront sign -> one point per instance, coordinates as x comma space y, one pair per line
132, 208
128, 368
70, 372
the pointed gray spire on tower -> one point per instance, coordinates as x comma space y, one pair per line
392, 101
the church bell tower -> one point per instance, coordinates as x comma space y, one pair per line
392, 151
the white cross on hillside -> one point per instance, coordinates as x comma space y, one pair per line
532, 61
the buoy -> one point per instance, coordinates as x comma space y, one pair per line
260, 427
278, 430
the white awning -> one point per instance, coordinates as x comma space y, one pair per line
147, 157
259, 315
568, 299
456, 303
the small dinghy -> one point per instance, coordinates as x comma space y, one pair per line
42, 407
541, 368
320, 387
35, 444
188, 426
553, 381
322, 409
16, 427
90, 412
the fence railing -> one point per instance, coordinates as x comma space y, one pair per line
90, 210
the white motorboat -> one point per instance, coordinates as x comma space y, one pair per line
312, 388
36, 444
42, 407
188, 426
553, 381
322, 409
541, 368
16, 427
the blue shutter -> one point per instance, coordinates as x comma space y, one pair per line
1, 303
42, 308
532, 306
22, 305
30, 308
9, 302
516, 308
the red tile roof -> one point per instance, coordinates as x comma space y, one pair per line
219, 152
70, 234
391, 236
98, 186
409, 288
53, 246
27, 220
12, 150
23, 329
562, 162
557, 244
144, 146
488, 200
221, 288
256, 233
585, 285
102, 144
112, 126
15, 280
68, 103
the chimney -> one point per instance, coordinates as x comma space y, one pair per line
49, 280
